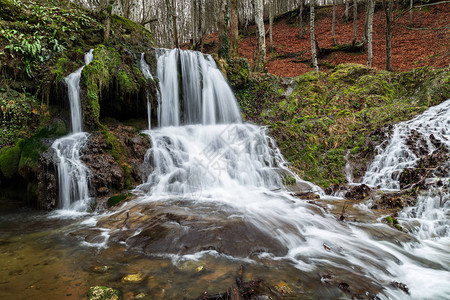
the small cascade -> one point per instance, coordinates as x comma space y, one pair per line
421, 134
429, 218
348, 171
145, 69
207, 98
72, 173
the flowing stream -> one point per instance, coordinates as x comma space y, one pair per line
221, 171
215, 200
72, 172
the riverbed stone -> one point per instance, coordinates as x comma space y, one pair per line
133, 278
103, 293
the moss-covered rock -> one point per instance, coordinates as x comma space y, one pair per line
103, 293
238, 71
114, 200
115, 87
9, 160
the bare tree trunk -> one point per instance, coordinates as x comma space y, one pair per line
301, 18
388, 6
259, 20
126, 7
171, 9
202, 19
271, 8
108, 8
347, 8
194, 23
221, 24
355, 18
234, 24
370, 12
366, 21
313, 37
411, 3
333, 23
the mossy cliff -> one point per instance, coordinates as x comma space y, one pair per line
41, 42
317, 118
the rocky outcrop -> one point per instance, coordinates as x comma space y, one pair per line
113, 157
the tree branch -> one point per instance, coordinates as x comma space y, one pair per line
418, 6
149, 21
423, 28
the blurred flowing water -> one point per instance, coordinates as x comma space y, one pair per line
214, 200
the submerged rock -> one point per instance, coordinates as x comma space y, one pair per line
133, 278
103, 293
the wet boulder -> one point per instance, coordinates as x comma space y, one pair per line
358, 192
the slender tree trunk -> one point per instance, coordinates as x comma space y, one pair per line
223, 37
171, 10
234, 28
194, 23
271, 7
411, 3
313, 37
370, 13
355, 18
109, 6
333, 23
388, 6
347, 8
259, 20
301, 18
202, 22
366, 21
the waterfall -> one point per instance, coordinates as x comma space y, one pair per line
429, 218
145, 69
72, 173
215, 191
213, 149
207, 98
421, 133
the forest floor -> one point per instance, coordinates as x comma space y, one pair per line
426, 43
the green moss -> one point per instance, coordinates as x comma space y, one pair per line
112, 201
238, 71
126, 83
9, 160
31, 152
348, 73
103, 293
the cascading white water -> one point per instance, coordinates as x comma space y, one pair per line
145, 69
429, 219
221, 153
72, 172
387, 165
73, 83
207, 98
219, 172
